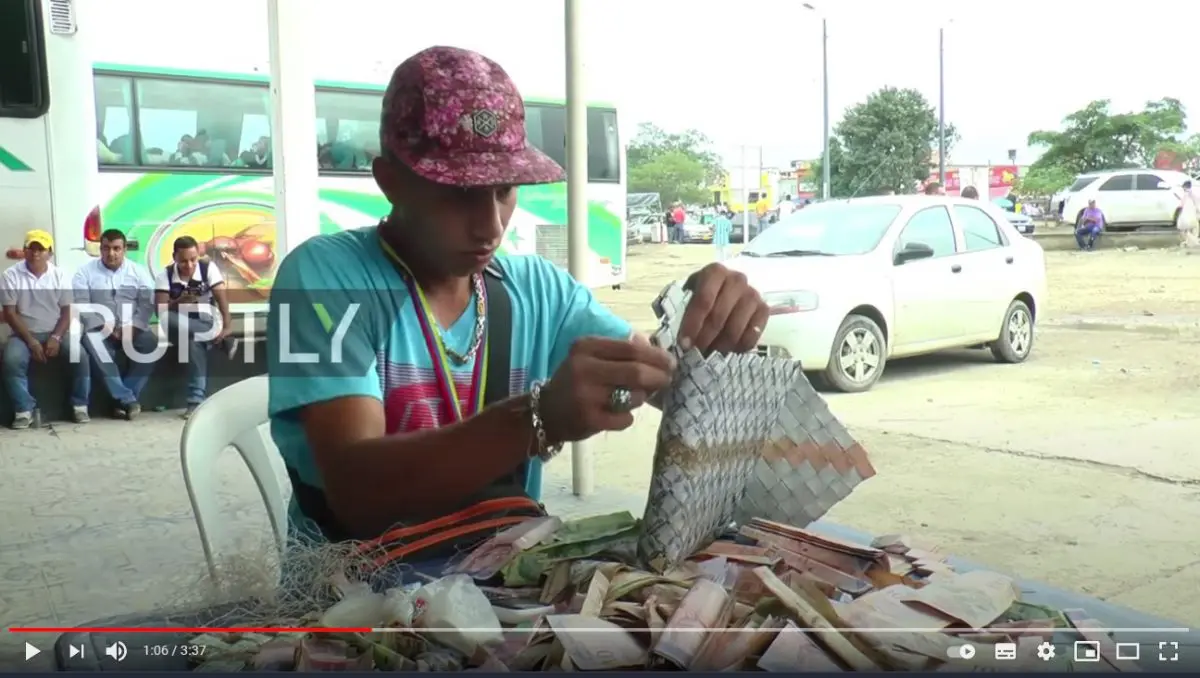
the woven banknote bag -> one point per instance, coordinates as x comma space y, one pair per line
741, 436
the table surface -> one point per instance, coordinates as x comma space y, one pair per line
1134, 627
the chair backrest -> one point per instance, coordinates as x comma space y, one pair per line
234, 416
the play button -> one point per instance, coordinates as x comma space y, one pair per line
31, 652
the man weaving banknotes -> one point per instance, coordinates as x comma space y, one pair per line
439, 377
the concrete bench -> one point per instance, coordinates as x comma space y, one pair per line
50, 383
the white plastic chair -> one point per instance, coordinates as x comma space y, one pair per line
234, 416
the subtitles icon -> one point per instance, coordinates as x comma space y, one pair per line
1087, 651
1006, 651
1129, 651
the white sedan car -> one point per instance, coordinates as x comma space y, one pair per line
854, 283
1128, 198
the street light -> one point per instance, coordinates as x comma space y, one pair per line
825, 100
942, 105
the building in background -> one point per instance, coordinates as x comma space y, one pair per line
798, 181
998, 180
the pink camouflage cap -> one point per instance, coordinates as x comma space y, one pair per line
454, 117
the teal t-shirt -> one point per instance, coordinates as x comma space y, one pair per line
721, 230
350, 329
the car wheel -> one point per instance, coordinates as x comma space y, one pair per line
1016, 335
858, 355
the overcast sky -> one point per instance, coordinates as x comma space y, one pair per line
744, 71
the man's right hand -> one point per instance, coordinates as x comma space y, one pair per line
575, 404
36, 350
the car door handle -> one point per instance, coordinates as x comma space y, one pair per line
1008, 260
956, 268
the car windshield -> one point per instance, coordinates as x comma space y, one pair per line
1081, 182
829, 229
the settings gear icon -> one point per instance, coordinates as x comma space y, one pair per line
1045, 652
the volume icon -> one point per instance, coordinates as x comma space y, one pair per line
117, 651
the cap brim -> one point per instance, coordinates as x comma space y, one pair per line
521, 168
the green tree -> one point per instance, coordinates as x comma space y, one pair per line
839, 183
1043, 180
674, 175
1094, 138
678, 166
883, 144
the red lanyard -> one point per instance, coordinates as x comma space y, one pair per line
437, 350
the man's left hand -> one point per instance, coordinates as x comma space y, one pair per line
725, 314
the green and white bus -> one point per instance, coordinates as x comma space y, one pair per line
186, 152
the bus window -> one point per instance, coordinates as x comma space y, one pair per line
114, 122
255, 142
546, 129
604, 145
354, 118
197, 124
24, 87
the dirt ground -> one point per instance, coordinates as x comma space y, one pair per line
1072, 468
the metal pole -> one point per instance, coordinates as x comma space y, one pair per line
942, 106
582, 463
763, 187
745, 197
825, 159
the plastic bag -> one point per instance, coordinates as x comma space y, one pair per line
398, 607
460, 613
359, 606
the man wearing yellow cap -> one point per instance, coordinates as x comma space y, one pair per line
36, 296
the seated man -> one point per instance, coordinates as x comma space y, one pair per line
184, 293
1091, 224
37, 306
414, 374
126, 292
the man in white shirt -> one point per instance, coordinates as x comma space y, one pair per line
786, 206
37, 299
185, 293
127, 291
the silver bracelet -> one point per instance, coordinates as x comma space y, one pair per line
545, 451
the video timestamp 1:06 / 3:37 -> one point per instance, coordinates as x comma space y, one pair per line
184, 650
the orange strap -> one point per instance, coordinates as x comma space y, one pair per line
446, 535
431, 526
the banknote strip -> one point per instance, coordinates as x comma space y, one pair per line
742, 436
